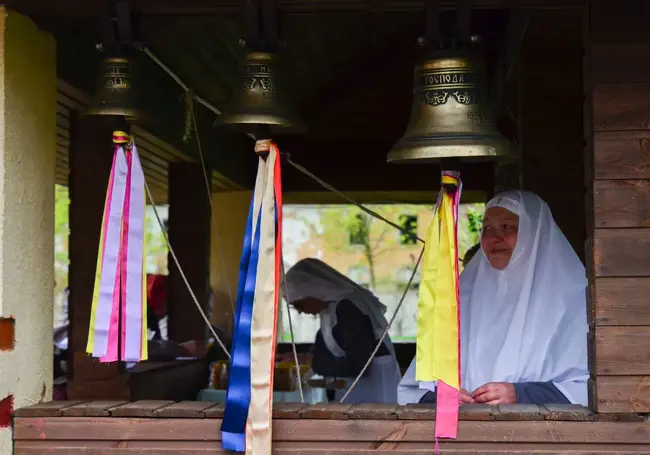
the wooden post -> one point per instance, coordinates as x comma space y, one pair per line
189, 235
617, 133
91, 155
550, 78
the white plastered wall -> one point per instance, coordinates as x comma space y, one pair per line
27, 165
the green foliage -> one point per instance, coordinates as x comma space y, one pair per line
155, 245
410, 224
61, 232
348, 229
474, 223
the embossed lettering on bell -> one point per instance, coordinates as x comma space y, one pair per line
450, 117
260, 99
115, 95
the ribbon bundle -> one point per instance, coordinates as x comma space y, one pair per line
119, 305
438, 340
247, 419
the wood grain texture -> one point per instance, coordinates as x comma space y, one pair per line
614, 62
621, 301
184, 409
49, 409
319, 431
623, 394
621, 155
330, 448
422, 411
621, 203
330, 411
622, 351
334, 448
567, 412
621, 106
373, 411
622, 252
92, 408
520, 413
143, 408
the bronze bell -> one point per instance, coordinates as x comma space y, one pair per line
114, 95
450, 117
259, 99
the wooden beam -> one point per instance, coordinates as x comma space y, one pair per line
189, 233
514, 36
162, 100
361, 166
331, 436
204, 7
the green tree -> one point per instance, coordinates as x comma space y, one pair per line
156, 247
348, 229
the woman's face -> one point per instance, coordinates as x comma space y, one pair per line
499, 236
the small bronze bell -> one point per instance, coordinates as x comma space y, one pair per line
259, 99
450, 117
114, 95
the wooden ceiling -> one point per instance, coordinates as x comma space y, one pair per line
349, 65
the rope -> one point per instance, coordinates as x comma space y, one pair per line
187, 284
329, 187
293, 340
385, 334
180, 82
192, 115
325, 185
208, 188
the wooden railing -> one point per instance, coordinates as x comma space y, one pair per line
164, 427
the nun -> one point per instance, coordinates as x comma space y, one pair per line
351, 323
523, 313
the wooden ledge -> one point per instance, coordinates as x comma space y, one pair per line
321, 411
130, 432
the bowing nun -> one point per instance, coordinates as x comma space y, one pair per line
523, 313
351, 323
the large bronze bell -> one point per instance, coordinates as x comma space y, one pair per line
114, 95
260, 100
450, 117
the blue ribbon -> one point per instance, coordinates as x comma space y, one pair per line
238, 395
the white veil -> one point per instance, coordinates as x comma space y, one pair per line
313, 278
528, 322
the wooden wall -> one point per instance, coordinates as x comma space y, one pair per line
192, 427
550, 79
617, 129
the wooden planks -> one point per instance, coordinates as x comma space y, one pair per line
621, 203
621, 106
618, 134
325, 429
288, 411
329, 448
319, 431
622, 350
622, 252
623, 393
621, 301
621, 155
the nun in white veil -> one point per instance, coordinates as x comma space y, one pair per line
351, 322
523, 312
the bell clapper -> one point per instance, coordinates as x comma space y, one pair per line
263, 140
263, 147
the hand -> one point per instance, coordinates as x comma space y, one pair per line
465, 397
495, 393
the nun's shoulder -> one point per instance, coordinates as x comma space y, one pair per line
347, 310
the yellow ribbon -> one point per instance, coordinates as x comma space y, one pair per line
437, 337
